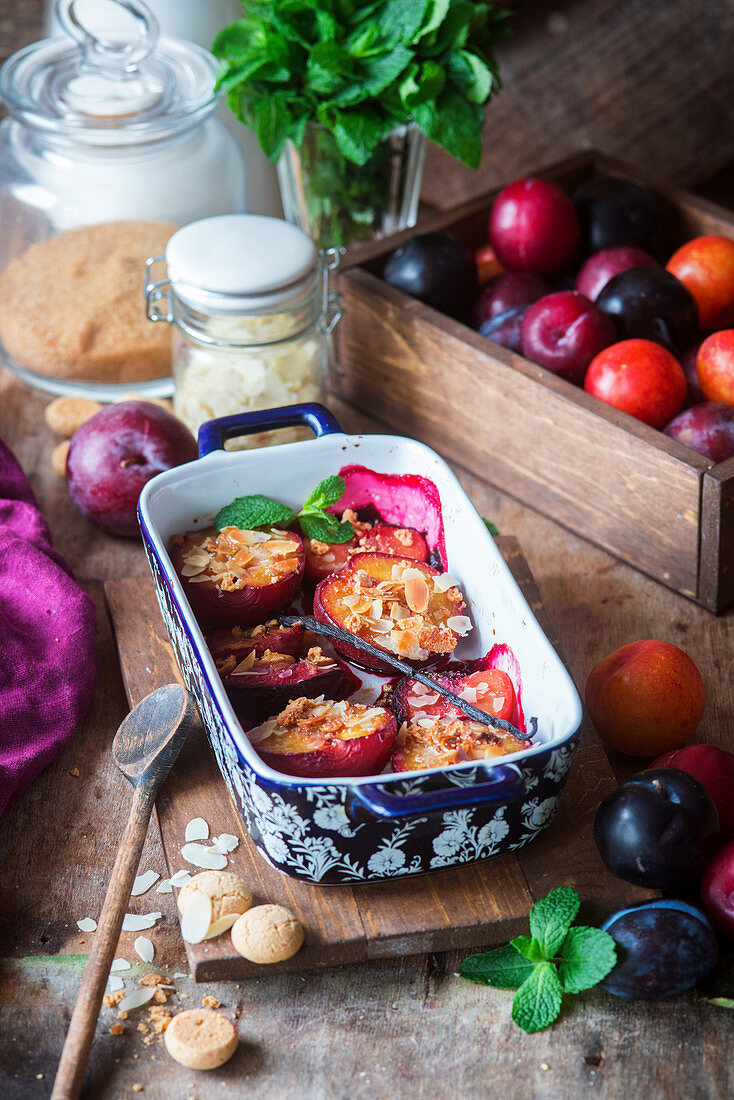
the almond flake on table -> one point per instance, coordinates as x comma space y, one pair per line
137, 922
180, 974
164, 887
136, 998
225, 842
144, 882
210, 859
197, 917
144, 949
197, 829
180, 878
87, 924
119, 964
114, 983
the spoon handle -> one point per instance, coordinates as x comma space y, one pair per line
70, 1073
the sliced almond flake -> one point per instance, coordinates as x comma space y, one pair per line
136, 998
180, 878
114, 983
259, 733
384, 626
207, 858
425, 723
443, 582
198, 579
248, 662
423, 700
469, 693
197, 917
225, 842
376, 609
144, 947
416, 590
137, 922
119, 964
180, 974
164, 887
197, 829
319, 699
193, 570
222, 925
144, 882
396, 572
87, 924
460, 624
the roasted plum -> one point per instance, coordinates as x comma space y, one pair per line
262, 684
317, 738
489, 689
401, 606
323, 558
237, 577
239, 642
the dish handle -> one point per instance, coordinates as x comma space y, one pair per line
214, 433
502, 783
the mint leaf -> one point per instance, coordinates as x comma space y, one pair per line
325, 528
250, 512
538, 1000
326, 493
551, 918
502, 968
585, 957
529, 948
490, 527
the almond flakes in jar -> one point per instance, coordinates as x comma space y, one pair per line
247, 297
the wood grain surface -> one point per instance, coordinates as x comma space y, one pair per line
481, 904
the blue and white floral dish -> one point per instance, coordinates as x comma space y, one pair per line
370, 828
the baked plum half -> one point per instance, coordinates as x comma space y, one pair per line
324, 558
433, 733
262, 684
318, 738
239, 642
400, 605
238, 577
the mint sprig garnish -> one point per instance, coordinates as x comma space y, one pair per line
254, 511
251, 512
316, 522
491, 527
554, 960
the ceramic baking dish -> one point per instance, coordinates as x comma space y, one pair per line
375, 827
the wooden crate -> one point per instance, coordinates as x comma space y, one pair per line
653, 502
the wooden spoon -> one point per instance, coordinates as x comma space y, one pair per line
144, 749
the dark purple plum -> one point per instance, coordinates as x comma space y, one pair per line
563, 332
596, 272
688, 361
614, 212
439, 269
648, 303
659, 829
663, 948
707, 428
503, 303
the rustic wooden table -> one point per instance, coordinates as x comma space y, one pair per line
410, 1028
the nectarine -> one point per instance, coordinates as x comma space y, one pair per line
645, 698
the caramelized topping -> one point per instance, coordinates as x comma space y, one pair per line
308, 724
438, 742
235, 559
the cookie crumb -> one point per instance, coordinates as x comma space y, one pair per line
211, 1002
160, 996
544, 1065
112, 999
143, 1027
122, 1014
160, 1018
74, 772
117, 1029
137, 1088
152, 979
39, 1076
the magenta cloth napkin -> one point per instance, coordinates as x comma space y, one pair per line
48, 661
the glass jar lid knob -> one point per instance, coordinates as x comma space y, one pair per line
111, 78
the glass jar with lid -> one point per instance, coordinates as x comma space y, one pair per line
248, 298
108, 147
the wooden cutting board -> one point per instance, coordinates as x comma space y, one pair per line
484, 903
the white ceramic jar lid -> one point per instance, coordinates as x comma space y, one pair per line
240, 263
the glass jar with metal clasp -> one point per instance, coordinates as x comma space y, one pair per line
251, 307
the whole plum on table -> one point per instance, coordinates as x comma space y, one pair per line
615, 212
707, 428
717, 890
596, 272
504, 302
663, 948
115, 453
564, 332
533, 227
640, 378
645, 698
439, 269
659, 829
649, 303
712, 766
706, 266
